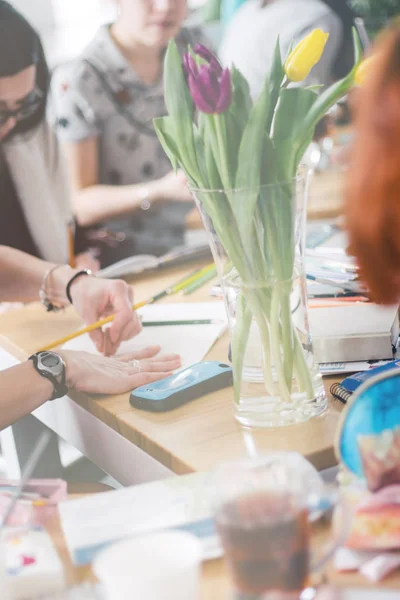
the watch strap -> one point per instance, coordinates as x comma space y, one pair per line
60, 389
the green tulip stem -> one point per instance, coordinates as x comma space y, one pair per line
287, 337
221, 144
264, 329
276, 345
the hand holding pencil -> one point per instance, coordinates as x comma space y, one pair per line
115, 297
96, 299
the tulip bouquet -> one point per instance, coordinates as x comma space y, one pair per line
241, 158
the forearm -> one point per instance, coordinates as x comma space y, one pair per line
22, 390
21, 277
97, 203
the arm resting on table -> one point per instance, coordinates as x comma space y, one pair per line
22, 390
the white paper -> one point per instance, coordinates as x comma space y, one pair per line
191, 342
92, 523
6, 360
365, 594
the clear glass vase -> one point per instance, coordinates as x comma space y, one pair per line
257, 238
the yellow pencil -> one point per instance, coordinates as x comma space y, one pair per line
180, 285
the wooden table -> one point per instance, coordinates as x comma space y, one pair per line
191, 438
215, 583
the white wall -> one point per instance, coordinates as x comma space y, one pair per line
38, 12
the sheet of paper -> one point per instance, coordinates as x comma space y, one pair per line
92, 523
191, 342
6, 360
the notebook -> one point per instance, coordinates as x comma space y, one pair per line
343, 391
134, 265
191, 342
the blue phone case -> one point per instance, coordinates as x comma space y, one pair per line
195, 381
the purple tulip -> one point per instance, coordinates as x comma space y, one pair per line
209, 84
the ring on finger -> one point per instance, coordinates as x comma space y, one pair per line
136, 365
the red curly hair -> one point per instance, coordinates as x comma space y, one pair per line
373, 186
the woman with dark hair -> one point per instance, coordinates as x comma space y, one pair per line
250, 37
34, 186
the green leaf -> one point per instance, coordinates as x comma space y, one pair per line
330, 96
180, 108
241, 103
276, 78
293, 107
164, 129
250, 158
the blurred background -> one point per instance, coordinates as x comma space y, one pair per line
66, 26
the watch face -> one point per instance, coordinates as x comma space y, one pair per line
50, 360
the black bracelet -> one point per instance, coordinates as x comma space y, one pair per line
71, 281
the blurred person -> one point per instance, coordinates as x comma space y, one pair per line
104, 104
49, 375
34, 190
373, 183
250, 37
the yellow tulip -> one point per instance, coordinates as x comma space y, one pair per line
363, 70
305, 55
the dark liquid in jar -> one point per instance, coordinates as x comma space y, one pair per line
266, 543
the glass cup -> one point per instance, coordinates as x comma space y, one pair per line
273, 515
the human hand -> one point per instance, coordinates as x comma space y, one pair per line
95, 298
173, 187
96, 374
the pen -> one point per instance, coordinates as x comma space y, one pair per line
188, 322
338, 284
339, 295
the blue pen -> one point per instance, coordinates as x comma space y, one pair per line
332, 283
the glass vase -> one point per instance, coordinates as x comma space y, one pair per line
257, 238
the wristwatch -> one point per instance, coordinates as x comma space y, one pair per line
51, 366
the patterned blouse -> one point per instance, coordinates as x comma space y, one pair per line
99, 95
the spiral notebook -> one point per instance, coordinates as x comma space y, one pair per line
343, 391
